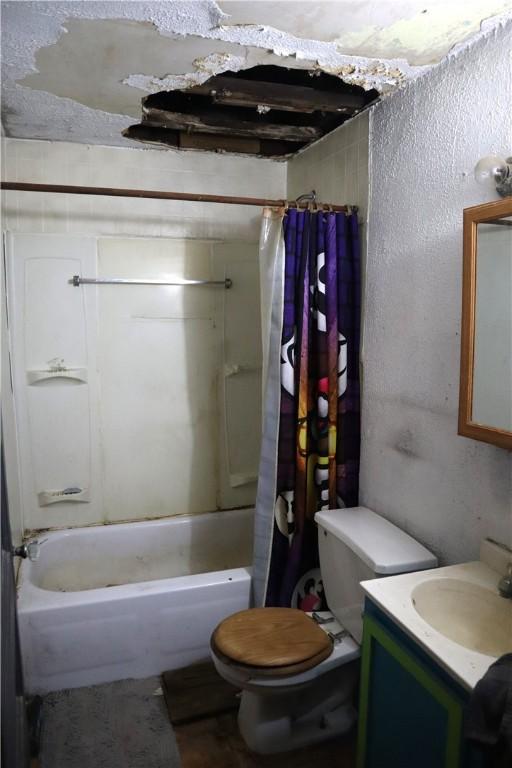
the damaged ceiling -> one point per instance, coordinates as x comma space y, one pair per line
267, 111
78, 71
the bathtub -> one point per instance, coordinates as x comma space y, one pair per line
128, 600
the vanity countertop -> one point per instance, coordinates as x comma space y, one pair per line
393, 594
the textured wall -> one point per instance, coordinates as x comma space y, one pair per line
447, 490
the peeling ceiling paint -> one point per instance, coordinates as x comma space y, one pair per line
77, 70
419, 31
117, 47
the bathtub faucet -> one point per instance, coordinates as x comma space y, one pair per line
505, 583
30, 550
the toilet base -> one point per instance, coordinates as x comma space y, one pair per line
292, 719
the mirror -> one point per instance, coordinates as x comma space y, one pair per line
485, 402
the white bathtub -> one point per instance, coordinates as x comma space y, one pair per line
130, 600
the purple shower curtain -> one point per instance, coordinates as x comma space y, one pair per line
319, 434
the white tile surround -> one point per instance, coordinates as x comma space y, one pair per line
336, 167
85, 165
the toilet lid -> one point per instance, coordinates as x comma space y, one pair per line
271, 638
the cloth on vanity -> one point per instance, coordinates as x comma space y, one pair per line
489, 714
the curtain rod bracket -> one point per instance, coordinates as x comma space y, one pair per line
306, 196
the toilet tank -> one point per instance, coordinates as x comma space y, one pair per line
356, 544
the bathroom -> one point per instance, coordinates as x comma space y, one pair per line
140, 419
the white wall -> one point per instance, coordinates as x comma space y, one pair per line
169, 414
9, 424
7, 403
155, 409
447, 490
56, 419
224, 234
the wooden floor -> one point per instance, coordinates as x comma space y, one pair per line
197, 692
202, 708
215, 742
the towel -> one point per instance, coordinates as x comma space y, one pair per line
489, 714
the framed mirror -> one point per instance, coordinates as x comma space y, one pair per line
485, 398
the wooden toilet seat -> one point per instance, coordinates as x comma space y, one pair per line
271, 642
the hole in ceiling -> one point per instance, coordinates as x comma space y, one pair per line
266, 110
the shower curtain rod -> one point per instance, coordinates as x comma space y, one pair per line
16, 186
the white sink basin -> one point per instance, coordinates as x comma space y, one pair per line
466, 613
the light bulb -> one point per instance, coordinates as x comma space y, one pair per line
491, 170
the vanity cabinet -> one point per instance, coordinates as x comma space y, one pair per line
411, 710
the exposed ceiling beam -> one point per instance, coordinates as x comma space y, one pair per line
282, 96
219, 122
211, 141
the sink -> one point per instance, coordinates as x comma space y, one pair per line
466, 613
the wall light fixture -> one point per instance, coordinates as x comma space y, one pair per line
495, 171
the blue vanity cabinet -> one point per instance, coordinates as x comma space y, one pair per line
410, 709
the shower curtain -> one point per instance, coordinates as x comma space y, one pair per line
310, 450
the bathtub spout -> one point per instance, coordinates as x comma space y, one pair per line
30, 550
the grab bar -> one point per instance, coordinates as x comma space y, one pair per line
76, 280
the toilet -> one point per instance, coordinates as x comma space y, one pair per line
298, 672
